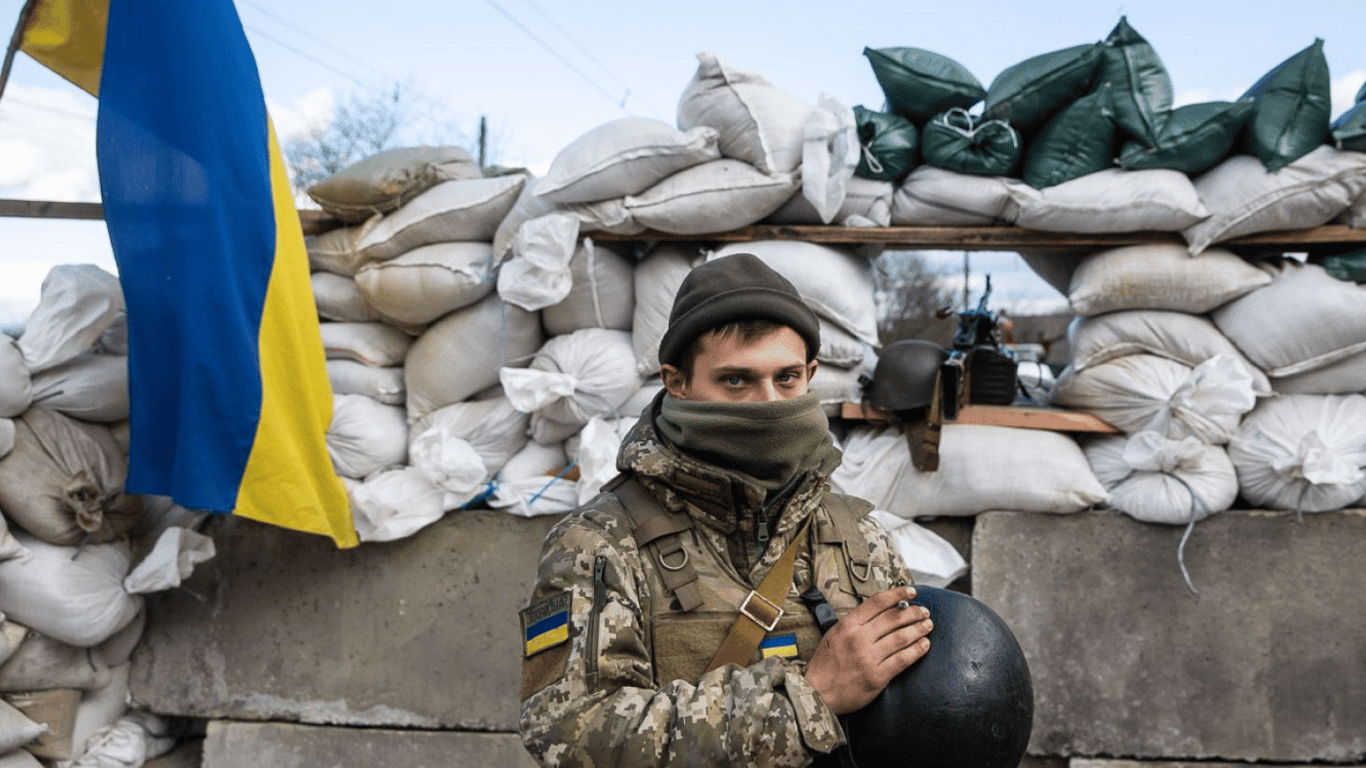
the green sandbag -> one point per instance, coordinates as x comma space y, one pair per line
1194, 138
951, 141
1141, 87
1029, 93
1350, 267
1292, 111
1349, 130
919, 84
1077, 141
890, 145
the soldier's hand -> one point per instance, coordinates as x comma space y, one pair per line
861, 654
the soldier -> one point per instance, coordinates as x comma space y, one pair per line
678, 616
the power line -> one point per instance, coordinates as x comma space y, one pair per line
301, 54
586, 52
557, 55
348, 55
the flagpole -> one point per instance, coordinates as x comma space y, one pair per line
14, 42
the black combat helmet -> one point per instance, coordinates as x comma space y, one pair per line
905, 375
968, 702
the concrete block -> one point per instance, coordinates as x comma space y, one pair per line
1267, 662
283, 745
416, 633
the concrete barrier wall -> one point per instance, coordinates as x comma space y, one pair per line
1267, 662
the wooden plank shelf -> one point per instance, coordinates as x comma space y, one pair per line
1027, 417
1009, 238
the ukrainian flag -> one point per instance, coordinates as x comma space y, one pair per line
229, 397
779, 645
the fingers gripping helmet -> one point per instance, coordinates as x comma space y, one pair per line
968, 702
905, 375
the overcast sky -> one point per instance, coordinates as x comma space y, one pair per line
543, 73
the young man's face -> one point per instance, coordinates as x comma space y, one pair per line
772, 367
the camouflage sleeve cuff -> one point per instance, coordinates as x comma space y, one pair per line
820, 727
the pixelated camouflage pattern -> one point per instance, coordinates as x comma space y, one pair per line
637, 698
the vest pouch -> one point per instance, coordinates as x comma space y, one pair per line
684, 643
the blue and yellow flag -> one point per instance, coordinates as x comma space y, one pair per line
229, 401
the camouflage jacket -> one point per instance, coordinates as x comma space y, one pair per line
613, 669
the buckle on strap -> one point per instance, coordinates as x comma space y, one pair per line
766, 608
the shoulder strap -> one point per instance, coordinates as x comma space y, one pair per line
762, 609
657, 529
843, 514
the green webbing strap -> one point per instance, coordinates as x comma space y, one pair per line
655, 525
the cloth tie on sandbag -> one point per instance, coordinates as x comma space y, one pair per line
830, 153
171, 561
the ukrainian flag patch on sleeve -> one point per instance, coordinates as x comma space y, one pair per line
779, 645
546, 624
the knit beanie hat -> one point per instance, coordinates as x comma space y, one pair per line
730, 289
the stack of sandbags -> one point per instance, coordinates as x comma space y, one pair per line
76, 552
1147, 359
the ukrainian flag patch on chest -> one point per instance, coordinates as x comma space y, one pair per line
546, 624
779, 645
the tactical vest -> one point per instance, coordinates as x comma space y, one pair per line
696, 594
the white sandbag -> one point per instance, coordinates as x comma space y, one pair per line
11, 635
16, 730
1160, 276
867, 202
72, 594
128, 742
349, 377
366, 435
172, 559
1159, 480
372, 343
932, 559
981, 468
636, 404
1354, 215
89, 386
462, 446
1344, 377
114, 340
1146, 392
428, 281
160, 513
394, 504
595, 450
452, 211
657, 280
538, 274
839, 347
1302, 452
338, 250
63, 482
1319, 320
98, 709
339, 298
937, 197
1180, 336
43, 662
9, 546
601, 294
835, 386
836, 283
573, 378
1054, 267
757, 121
16, 384
1036, 381
118, 648
77, 303
1111, 200
460, 354
7, 432
535, 482
830, 153
383, 181
623, 157
528, 206
1243, 197
716, 196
